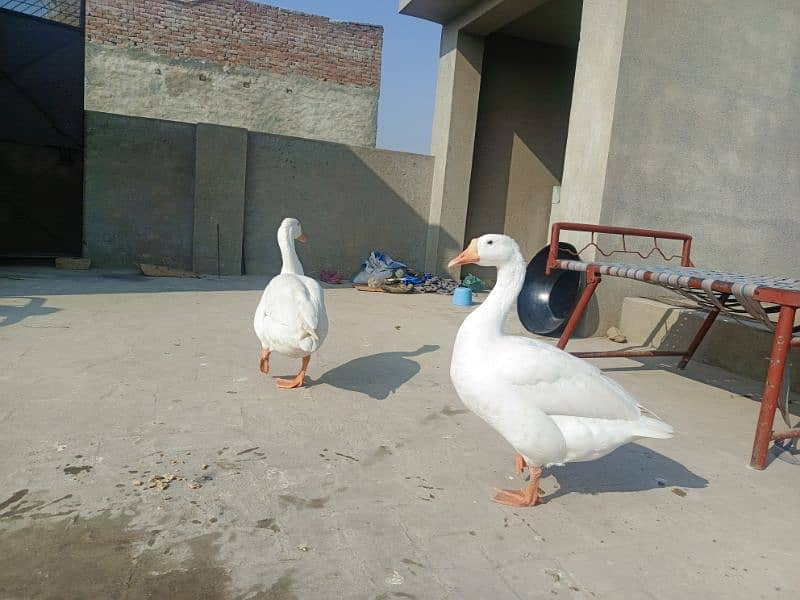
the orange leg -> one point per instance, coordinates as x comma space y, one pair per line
521, 498
519, 463
264, 361
296, 381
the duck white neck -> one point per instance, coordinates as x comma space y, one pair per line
291, 264
490, 316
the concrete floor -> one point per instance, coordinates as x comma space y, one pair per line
373, 482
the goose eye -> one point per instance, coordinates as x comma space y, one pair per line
490, 242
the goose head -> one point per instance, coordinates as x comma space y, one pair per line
291, 227
490, 250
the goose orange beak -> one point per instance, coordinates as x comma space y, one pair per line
467, 257
302, 238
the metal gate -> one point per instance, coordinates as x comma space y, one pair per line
68, 12
41, 127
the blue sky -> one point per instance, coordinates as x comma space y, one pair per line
410, 60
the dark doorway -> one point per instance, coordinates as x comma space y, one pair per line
41, 127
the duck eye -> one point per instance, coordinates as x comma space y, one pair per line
490, 242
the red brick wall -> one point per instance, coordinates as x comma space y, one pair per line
242, 33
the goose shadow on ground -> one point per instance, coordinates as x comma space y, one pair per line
11, 314
631, 468
377, 375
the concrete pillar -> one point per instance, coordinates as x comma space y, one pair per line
220, 164
592, 113
452, 143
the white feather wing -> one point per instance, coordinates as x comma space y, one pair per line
561, 384
291, 315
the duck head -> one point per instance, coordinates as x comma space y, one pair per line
490, 250
292, 227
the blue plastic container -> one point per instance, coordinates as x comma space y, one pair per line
462, 296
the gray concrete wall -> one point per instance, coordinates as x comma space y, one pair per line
521, 137
138, 191
132, 82
592, 111
219, 191
349, 200
156, 190
705, 134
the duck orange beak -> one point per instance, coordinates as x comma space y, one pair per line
467, 257
302, 238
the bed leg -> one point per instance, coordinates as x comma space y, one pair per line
592, 281
781, 341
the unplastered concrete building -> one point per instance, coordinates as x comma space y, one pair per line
235, 63
678, 115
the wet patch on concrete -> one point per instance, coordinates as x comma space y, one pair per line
19, 505
247, 451
268, 524
101, 557
377, 456
408, 561
280, 590
75, 470
15, 497
298, 502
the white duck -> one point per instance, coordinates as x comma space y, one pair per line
552, 407
291, 318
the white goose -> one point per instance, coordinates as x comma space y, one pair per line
291, 318
552, 407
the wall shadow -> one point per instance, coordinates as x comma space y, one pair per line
711, 375
350, 201
22, 281
631, 468
377, 375
520, 140
727, 345
11, 314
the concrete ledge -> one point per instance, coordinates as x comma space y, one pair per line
740, 347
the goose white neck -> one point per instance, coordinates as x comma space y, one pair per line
490, 316
291, 264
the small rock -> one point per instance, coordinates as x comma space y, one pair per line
395, 579
302, 548
555, 574
204, 467
193, 485
661, 481
136, 482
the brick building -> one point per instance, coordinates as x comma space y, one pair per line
234, 62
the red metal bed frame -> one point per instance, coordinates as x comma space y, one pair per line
741, 295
